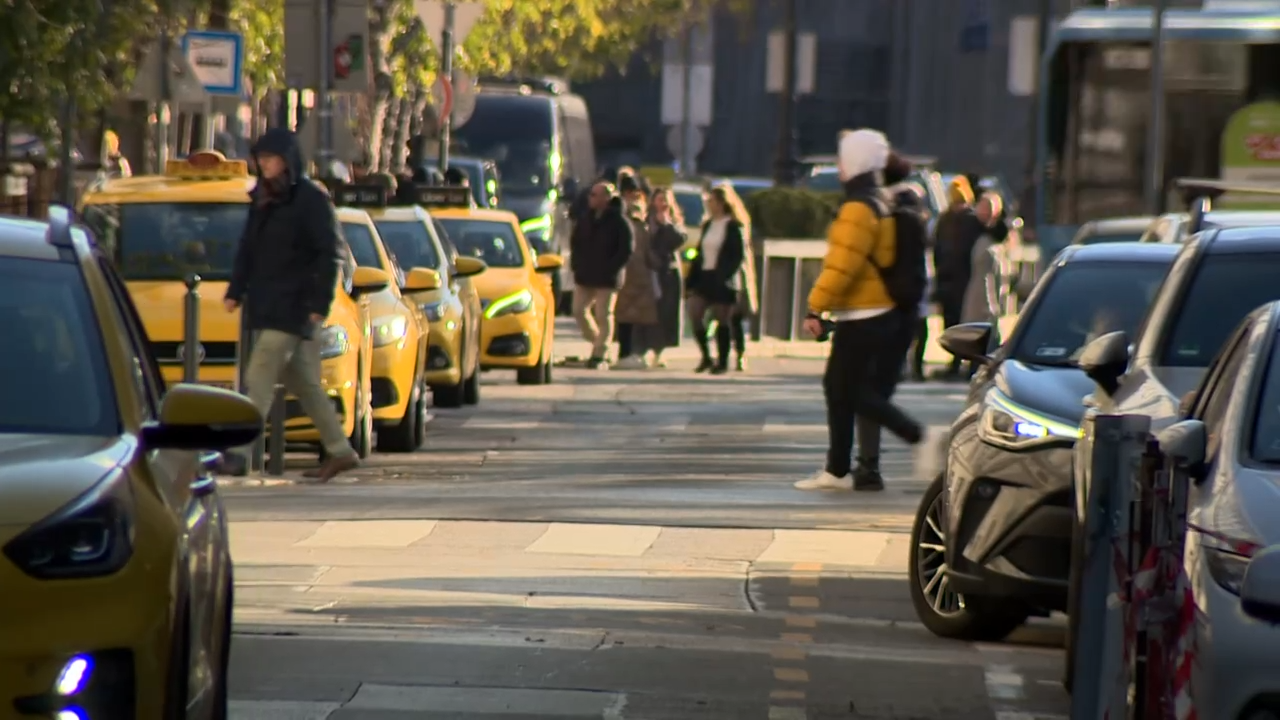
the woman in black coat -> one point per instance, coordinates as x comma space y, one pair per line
715, 280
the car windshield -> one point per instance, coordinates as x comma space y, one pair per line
492, 241
168, 241
53, 371
410, 242
516, 133
1225, 289
1264, 446
691, 207
363, 246
1083, 301
1111, 237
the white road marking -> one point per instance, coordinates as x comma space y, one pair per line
586, 539
829, 547
485, 700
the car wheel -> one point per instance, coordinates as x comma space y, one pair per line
942, 610
471, 389
404, 436
362, 433
177, 694
538, 374
1075, 579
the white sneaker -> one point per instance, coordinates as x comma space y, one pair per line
631, 362
824, 480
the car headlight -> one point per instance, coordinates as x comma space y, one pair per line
333, 342
1226, 568
389, 329
1009, 425
91, 537
513, 304
433, 310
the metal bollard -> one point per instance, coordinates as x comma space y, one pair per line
1103, 660
276, 464
191, 347
244, 350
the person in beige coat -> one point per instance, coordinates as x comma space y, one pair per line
638, 330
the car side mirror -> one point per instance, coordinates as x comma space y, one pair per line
1105, 360
1260, 589
200, 417
421, 279
1187, 442
549, 263
968, 341
469, 266
367, 280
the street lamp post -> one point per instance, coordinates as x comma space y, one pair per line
1155, 123
784, 172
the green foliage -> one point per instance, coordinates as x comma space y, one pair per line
262, 24
792, 212
410, 57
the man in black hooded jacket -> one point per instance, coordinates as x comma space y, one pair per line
285, 276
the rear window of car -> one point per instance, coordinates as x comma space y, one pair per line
410, 242
1225, 289
1264, 444
53, 371
1111, 237
168, 241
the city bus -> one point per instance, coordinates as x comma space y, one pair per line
1222, 108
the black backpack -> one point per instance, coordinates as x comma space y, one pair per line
907, 279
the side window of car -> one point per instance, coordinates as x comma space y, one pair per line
149, 380
1215, 393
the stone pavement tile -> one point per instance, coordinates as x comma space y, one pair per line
584, 539
248, 536
369, 533
743, 545
483, 536
280, 710
892, 690
825, 547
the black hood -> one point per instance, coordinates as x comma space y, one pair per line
1056, 392
526, 207
282, 142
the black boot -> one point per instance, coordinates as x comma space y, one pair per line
866, 476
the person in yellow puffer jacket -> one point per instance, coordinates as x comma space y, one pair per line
851, 293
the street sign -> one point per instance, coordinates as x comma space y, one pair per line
218, 60
345, 147
461, 98
185, 87
701, 80
675, 141
349, 54
806, 62
442, 96
465, 16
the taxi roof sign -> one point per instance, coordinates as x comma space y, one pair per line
359, 195
442, 196
206, 164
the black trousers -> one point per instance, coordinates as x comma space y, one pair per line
853, 388
886, 375
919, 345
735, 333
622, 332
951, 312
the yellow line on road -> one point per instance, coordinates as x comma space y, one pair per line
797, 637
787, 695
789, 653
804, 601
801, 621
804, 580
784, 712
786, 674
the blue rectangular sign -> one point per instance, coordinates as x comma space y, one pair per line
217, 57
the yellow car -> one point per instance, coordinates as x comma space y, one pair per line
400, 394
160, 228
114, 554
452, 309
518, 328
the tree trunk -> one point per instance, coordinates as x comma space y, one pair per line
380, 20
387, 149
400, 148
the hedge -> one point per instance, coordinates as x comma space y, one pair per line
792, 212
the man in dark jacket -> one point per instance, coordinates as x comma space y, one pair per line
285, 276
598, 251
955, 234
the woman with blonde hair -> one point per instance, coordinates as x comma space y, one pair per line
666, 237
748, 299
715, 277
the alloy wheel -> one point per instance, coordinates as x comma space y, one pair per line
931, 564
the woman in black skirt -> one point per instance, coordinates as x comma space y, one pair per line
714, 279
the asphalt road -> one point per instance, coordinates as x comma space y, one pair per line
615, 545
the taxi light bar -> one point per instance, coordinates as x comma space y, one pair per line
359, 195
1199, 194
442, 196
206, 164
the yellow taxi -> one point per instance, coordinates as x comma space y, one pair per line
453, 308
400, 335
114, 554
161, 228
518, 325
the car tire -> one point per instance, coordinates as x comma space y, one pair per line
1074, 582
471, 389
945, 612
362, 434
177, 693
405, 436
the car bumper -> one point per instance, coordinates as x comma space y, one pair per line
444, 357
338, 379
394, 367
1009, 520
1234, 672
119, 623
511, 341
